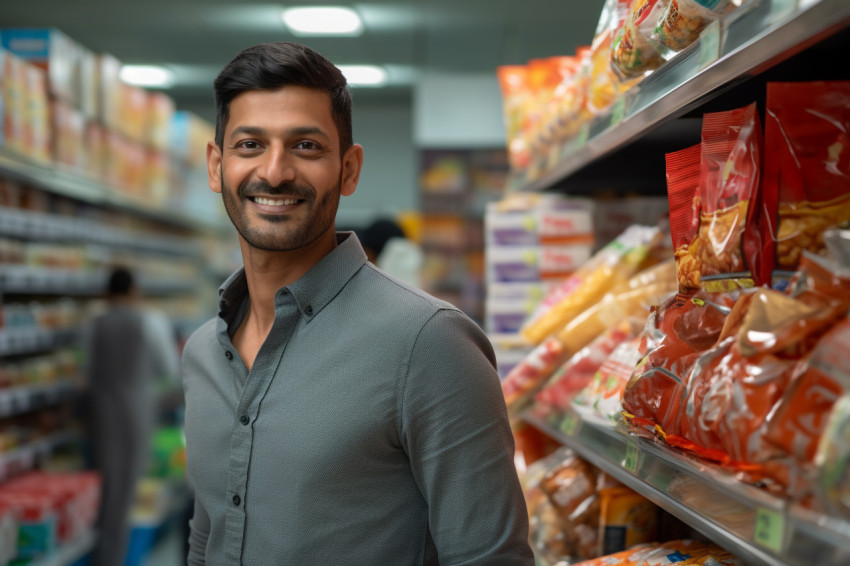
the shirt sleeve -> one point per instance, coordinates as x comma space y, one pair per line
199, 531
456, 431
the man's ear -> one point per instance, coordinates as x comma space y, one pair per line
214, 166
352, 164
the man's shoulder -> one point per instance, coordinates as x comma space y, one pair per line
201, 337
404, 298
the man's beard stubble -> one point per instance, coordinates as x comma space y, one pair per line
319, 217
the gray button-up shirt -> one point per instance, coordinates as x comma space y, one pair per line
371, 430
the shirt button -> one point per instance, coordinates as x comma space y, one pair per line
244, 419
309, 310
237, 500
228, 354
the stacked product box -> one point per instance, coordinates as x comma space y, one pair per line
50, 509
531, 243
63, 103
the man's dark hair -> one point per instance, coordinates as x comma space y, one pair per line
270, 66
120, 282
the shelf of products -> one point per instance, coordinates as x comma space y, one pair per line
755, 526
21, 399
25, 457
756, 36
70, 552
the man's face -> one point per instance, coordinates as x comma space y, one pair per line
280, 171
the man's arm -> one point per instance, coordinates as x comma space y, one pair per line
457, 434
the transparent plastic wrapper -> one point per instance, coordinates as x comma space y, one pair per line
633, 54
659, 554
682, 21
603, 395
576, 373
807, 163
832, 460
605, 86
626, 519
569, 485
610, 267
546, 80
513, 81
837, 242
735, 386
529, 374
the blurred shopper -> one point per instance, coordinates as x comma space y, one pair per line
387, 246
333, 414
127, 348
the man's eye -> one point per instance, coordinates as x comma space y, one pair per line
308, 145
248, 145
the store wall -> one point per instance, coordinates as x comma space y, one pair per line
388, 183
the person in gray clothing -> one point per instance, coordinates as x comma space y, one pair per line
334, 414
127, 347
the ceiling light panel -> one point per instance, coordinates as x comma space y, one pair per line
151, 76
364, 75
322, 20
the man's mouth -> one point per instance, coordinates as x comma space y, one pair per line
275, 202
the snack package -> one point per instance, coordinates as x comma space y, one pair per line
607, 269
513, 81
682, 21
633, 54
676, 333
821, 379
733, 236
570, 486
736, 385
577, 372
528, 375
832, 460
603, 395
673, 552
626, 519
683, 176
605, 86
807, 163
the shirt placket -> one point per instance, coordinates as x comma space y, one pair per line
242, 440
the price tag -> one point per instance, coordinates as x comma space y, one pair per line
570, 424
618, 111
709, 44
770, 529
632, 455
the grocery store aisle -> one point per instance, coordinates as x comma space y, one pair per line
168, 551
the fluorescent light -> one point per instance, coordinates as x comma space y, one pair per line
364, 75
147, 76
323, 20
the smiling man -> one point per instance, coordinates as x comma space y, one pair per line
333, 413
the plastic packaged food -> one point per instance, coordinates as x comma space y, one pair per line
633, 54
513, 81
605, 86
832, 460
682, 21
609, 268
626, 519
603, 395
807, 163
683, 175
673, 552
528, 375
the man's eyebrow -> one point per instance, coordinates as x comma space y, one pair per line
259, 131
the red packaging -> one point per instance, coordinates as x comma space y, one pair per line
528, 375
807, 163
733, 235
683, 177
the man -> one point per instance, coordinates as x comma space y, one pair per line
333, 414
127, 348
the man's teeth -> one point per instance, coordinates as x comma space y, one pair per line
275, 202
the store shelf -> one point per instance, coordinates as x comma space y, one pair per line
69, 552
24, 458
31, 225
29, 340
755, 37
37, 280
756, 526
25, 398
77, 185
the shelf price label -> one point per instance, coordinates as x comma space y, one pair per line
618, 111
569, 425
709, 44
770, 529
632, 455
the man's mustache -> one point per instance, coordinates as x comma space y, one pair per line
287, 189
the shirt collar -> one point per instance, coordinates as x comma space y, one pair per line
314, 289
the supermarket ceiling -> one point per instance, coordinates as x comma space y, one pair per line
195, 38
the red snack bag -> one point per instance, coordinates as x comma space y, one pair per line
683, 176
733, 236
807, 163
